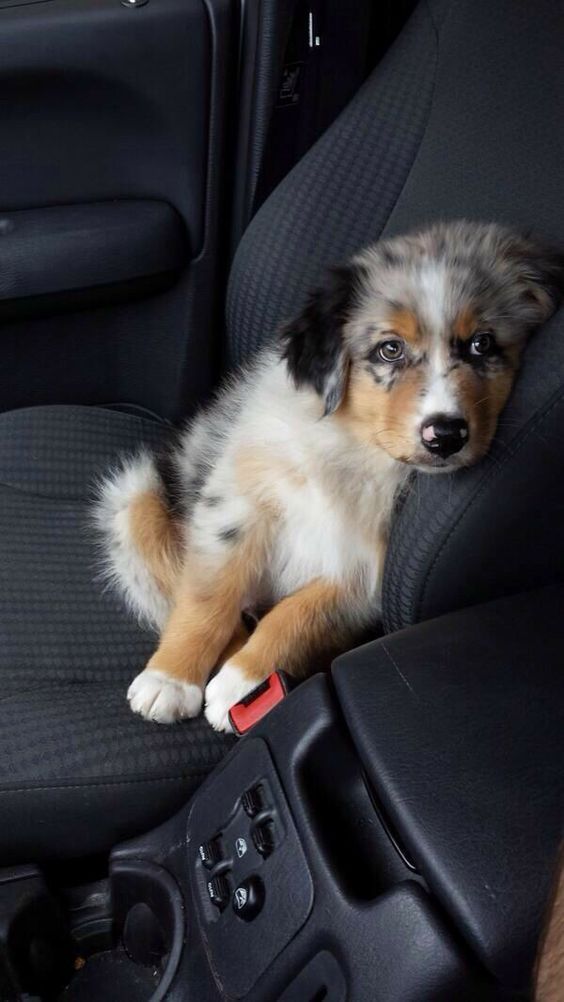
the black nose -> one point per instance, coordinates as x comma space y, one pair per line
443, 436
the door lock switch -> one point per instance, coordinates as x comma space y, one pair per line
248, 898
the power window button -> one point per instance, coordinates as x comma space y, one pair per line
210, 852
263, 837
218, 890
253, 801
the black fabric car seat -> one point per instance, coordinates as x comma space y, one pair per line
463, 117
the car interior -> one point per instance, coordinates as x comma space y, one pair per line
175, 175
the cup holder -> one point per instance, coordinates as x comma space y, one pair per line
147, 919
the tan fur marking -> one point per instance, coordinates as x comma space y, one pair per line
156, 536
206, 614
238, 640
301, 625
550, 962
482, 402
465, 325
405, 323
381, 417
258, 470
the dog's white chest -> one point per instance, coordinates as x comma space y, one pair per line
316, 538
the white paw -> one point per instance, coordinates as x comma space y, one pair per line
159, 697
226, 688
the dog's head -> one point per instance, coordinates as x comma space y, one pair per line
416, 342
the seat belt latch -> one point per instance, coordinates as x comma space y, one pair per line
254, 706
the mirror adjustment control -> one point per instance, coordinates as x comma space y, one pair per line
210, 852
253, 801
218, 890
248, 898
263, 837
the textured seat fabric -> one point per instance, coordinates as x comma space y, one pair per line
464, 117
339, 196
78, 770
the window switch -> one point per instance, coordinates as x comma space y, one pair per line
253, 801
210, 852
218, 890
263, 837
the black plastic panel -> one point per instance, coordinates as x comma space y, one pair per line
332, 935
101, 102
321, 980
71, 247
460, 724
283, 875
115, 105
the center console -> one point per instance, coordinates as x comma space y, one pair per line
294, 886
386, 833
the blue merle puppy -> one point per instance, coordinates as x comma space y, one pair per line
402, 359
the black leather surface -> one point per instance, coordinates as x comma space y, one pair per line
78, 770
460, 725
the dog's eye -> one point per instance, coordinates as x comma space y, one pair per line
482, 343
390, 351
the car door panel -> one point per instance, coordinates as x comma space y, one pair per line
103, 103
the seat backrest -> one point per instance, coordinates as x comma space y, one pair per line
464, 117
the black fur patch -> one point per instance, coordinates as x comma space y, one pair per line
211, 500
229, 535
461, 352
313, 344
180, 494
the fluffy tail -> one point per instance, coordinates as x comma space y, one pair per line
141, 541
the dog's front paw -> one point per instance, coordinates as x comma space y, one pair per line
226, 688
159, 697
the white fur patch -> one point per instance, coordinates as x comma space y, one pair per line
228, 687
441, 396
123, 566
156, 696
434, 291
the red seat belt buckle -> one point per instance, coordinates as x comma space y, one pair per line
251, 709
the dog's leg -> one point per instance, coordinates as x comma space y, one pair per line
311, 620
238, 640
204, 620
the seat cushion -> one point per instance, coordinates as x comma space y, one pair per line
78, 770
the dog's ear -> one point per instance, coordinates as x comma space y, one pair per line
313, 344
539, 274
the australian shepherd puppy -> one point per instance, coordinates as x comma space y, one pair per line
277, 498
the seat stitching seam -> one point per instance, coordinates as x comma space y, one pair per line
106, 784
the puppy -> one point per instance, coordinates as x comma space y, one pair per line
278, 497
